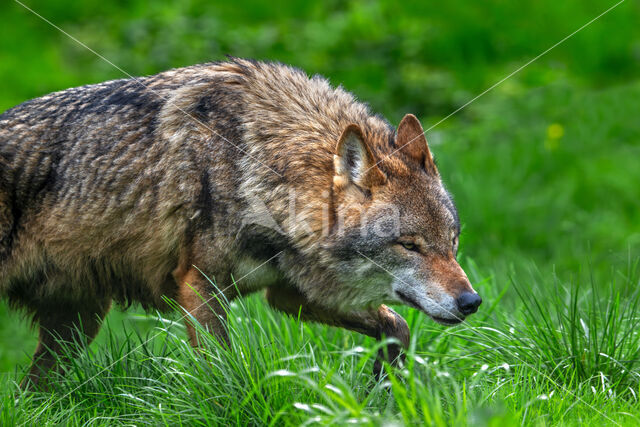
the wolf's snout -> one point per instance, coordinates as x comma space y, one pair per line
468, 302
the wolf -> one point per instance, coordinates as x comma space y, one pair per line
132, 190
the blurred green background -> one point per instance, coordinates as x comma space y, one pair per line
545, 168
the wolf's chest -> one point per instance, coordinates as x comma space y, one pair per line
251, 274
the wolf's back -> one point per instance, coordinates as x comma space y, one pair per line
51, 148
95, 168
43, 138
100, 170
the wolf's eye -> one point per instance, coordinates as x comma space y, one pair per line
409, 246
454, 243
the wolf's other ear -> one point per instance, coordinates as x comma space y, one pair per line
354, 162
411, 140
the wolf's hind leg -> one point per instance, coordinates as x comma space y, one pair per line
62, 324
6, 225
377, 323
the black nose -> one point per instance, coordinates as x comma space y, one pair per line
468, 302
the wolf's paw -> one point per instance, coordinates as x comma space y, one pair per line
392, 325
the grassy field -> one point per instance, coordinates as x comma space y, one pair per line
544, 169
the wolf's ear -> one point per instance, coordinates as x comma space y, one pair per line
411, 141
354, 162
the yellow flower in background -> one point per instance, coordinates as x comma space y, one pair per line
555, 131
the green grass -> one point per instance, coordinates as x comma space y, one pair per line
570, 357
544, 170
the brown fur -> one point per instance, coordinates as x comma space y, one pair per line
115, 191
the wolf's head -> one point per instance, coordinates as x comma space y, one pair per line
395, 231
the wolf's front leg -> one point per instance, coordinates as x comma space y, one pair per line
392, 325
377, 323
205, 302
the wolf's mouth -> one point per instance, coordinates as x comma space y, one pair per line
448, 322
408, 300
412, 303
